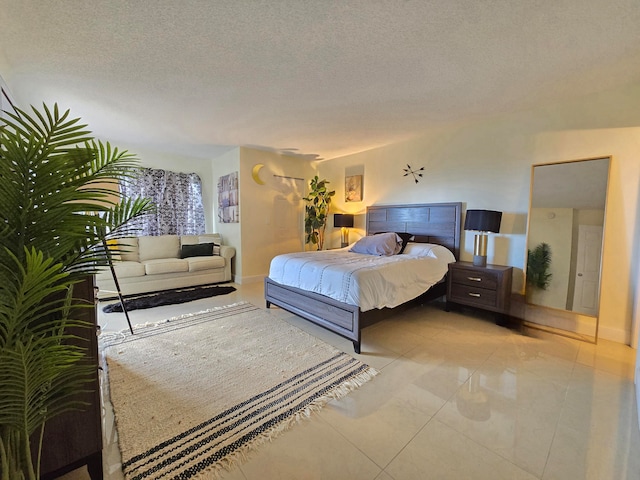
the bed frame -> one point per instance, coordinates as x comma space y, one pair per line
430, 223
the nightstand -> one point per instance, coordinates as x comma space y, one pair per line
487, 288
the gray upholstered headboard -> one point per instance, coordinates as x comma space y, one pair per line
430, 222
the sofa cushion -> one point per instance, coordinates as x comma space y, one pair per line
125, 269
165, 265
114, 249
197, 264
161, 246
198, 250
127, 249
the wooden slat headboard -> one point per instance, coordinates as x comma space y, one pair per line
430, 222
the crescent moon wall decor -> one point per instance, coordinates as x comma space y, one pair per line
255, 173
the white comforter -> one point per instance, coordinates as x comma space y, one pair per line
368, 281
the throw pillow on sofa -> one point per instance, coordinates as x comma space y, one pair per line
200, 250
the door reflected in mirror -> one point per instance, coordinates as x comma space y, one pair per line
564, 240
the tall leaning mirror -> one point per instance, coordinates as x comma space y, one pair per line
565, 235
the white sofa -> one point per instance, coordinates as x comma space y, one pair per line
152, 263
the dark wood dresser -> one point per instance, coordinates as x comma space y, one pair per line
74, 439
487, 288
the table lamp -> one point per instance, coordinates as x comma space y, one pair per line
482, 221
345, 222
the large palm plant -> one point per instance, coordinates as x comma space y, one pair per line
58, 201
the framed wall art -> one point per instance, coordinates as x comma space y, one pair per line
228, 205
353, 188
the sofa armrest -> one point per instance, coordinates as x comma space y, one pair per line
227, 252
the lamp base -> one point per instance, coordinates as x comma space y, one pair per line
480, 260
344, 231
480, 250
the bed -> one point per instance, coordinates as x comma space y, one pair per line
433, 223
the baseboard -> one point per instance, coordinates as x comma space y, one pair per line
614, 334
248, 280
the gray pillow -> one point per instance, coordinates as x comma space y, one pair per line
406, 238
382, 244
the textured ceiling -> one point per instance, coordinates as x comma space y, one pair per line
318, 78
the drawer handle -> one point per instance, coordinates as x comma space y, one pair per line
474, 294
474, 279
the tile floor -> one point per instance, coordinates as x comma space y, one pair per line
458, 398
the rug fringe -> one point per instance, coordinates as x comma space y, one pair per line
242, 454
110, 337
208, 310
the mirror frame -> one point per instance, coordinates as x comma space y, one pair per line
563, 314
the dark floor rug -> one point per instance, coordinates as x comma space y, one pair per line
168, 297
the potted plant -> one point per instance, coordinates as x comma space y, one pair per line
317, 211
58, 200
538, 265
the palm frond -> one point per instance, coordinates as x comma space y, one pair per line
33, 292
52, 128
59, 199
41, 369
53, 187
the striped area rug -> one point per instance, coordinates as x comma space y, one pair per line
194, 394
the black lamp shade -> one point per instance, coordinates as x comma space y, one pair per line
343, 220
483, 220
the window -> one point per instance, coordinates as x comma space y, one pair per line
178, 201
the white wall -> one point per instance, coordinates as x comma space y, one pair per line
487, 165
271, 214
4, 65
224, 164
635, 341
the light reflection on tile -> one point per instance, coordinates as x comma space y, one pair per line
598, 400
394, 407
309, 451
594, 456
608, 357
440, 452
457, 397
523, 356
513, 416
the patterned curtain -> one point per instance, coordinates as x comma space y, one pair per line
178, 201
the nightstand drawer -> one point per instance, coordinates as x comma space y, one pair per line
477, 278
472, 295
487, 287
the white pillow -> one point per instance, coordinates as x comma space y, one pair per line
429, 250
382, 244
